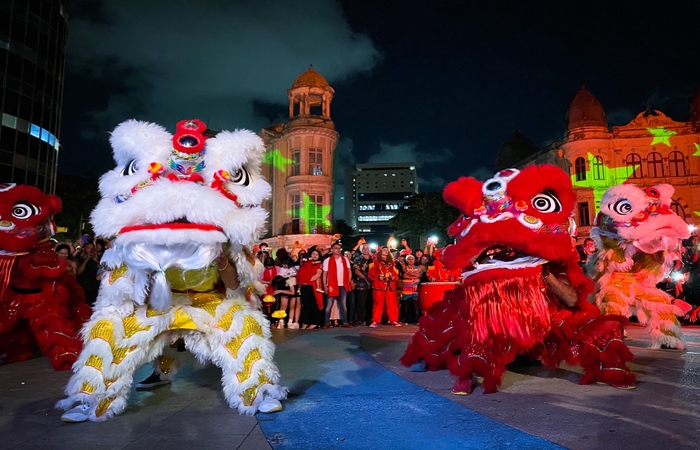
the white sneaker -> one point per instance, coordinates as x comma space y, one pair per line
269, 405
80, 413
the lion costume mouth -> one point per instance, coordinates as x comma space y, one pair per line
178, 225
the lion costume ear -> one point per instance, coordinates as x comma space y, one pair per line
463, 194
665, 193
53, 204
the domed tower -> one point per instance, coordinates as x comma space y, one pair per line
586, 115
514, 150
300, 160
310, 95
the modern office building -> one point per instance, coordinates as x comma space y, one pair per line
32, 62
375, 192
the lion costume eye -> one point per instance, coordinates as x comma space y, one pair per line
240, 177
546, 202
130, 168
24, 210
622, 207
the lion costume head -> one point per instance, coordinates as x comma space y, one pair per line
179, 200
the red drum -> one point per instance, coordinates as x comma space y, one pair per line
429, 293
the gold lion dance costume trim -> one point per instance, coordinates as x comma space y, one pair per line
185, 211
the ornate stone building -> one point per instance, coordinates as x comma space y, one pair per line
651, 149
299, 163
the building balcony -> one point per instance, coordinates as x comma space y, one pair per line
308, 179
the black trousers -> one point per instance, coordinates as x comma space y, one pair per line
363, 305
310, 314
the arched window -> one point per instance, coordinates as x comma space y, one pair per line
580, 167
598, 168
655, 165
676, 164
677, 208
634, 163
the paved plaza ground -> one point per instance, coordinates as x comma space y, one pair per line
348, 391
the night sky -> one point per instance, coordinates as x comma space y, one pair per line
440, 83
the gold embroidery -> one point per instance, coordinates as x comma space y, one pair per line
131, 326
109, 382
153, 313
227, 319
249, 291
248, 396
182, 321
117, 273
94, 361
208, 302
88, 388
249, 256
104, 329
103, 406
118, 354
250, 327
248, 363
164, 363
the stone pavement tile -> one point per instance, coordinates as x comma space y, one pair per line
551, 404
255, 442
179, 443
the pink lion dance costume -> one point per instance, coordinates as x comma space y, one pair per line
40, 303
636, 234
507, 308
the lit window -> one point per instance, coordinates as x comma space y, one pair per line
580, 168
35, 131
598, 168
296, 161
676, 164
315, 161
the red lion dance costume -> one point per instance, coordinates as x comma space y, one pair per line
40, 303
507, 308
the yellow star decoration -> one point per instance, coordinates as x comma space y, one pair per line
661, 135
619, 176
310, 211
697, 149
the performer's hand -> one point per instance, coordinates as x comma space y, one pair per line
221, 261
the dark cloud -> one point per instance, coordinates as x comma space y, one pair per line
215, 60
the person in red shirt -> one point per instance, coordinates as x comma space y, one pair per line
310, 273
384, 275
336, 281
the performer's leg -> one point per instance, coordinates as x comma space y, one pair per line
241, 346
378, 298
436, 343
115, 346
56, 334
165, 367
477, 359
17, 343
594, 342
392, 307
342, 304
656, 310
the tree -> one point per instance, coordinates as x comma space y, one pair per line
79, 197
426, 214
342, 227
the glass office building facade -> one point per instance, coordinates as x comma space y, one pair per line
32, 63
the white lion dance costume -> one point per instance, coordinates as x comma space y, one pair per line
635, 233
173, 205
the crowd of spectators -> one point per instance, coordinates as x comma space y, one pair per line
324, 287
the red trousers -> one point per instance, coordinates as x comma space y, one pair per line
379, 299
